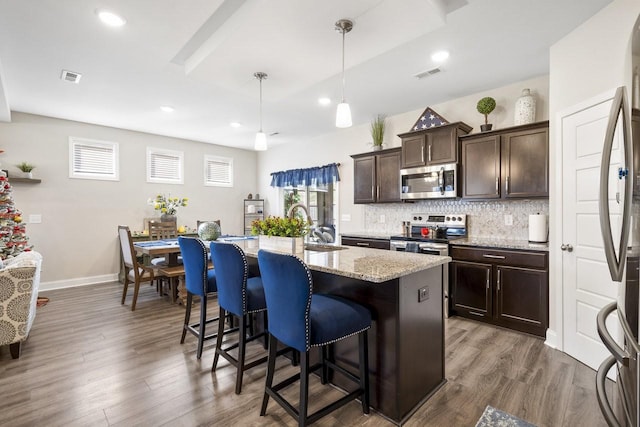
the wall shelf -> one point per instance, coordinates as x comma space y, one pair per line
25, 180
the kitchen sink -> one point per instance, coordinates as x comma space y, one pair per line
323, 248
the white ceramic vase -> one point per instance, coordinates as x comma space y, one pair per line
525, 108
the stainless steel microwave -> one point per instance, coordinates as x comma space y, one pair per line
430, 182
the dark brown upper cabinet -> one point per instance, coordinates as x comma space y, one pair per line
509, 163
376, 177
432, 146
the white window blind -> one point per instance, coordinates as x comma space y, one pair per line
92, 159
165, 166
218, 171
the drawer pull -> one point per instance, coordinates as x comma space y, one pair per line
494, 256
498, 281
362, 244
476, 314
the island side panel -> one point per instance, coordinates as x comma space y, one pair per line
382, 301
421, 338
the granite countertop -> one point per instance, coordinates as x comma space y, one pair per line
501, 243
367, 235
371, 265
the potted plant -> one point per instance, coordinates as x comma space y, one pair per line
26, 169
281, 234
377, 131
485, 106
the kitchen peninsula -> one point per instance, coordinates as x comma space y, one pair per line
404, 293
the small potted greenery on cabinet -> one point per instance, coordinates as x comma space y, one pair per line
377, 131
26, 169
486, 106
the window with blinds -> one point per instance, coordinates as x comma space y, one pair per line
218, 171
91, 159
165, 166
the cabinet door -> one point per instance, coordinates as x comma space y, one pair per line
364, 179
481, 168
388, 177
525, 163
413, 151
471, 289
522, 299
442, 146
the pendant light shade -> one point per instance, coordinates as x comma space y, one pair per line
261, 137
343, 113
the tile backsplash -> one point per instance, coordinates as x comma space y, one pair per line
484, 218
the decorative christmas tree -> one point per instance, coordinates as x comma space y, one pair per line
13, 237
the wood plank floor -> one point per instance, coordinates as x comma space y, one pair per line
92, 362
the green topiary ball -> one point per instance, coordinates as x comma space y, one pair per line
209, 231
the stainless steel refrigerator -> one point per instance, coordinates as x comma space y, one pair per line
622, 250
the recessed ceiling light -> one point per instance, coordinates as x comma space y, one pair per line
324, 101
235, 124
167, 109
440, 56
110, 18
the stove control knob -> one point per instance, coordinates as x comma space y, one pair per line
415, 218
447, 218
419, 218
459, 218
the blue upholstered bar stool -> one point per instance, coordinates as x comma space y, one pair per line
199, 281
302, 320
240, 295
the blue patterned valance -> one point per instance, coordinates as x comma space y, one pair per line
320, 175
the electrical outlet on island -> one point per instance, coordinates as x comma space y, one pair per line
508, 220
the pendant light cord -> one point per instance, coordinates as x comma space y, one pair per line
343, 79
260, 78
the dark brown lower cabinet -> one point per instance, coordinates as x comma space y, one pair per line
505, 287
366, 242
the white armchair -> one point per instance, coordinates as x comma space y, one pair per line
19, 281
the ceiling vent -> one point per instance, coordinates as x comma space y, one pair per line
70, 76
428, 73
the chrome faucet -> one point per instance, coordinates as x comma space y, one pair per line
293, 207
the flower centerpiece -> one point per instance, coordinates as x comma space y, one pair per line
168, 205
281, 234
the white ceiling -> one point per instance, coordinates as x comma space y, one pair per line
199, 57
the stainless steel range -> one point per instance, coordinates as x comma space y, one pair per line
430, 234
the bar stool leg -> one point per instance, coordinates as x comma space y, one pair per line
364, 370
304, 388
325, 369
223, 315
271, 367
242, 344
203, 321
187, 317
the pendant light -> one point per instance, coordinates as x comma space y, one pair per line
343, 114
261, 138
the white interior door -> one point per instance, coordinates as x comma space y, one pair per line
587, 285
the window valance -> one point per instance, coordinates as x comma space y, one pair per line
319, 175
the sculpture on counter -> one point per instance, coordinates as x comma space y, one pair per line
209, 231
13, 237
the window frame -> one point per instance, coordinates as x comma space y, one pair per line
212, 158
164, 151
115, 151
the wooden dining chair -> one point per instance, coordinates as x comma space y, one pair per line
159, 230
133, 270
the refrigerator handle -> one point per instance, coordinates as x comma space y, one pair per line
613, 347
601, 392
616, 263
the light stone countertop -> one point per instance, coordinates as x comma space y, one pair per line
501, 243
371, 265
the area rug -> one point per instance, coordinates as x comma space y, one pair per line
492, 417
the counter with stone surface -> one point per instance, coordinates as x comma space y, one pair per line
404, 293
501, 243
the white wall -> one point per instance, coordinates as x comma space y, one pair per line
592, 59
78, 233
338, 146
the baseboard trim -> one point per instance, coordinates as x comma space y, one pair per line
80, 281
552, 339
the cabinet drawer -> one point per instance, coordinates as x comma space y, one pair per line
536, 260
366, 243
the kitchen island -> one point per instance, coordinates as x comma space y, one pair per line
404, 293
